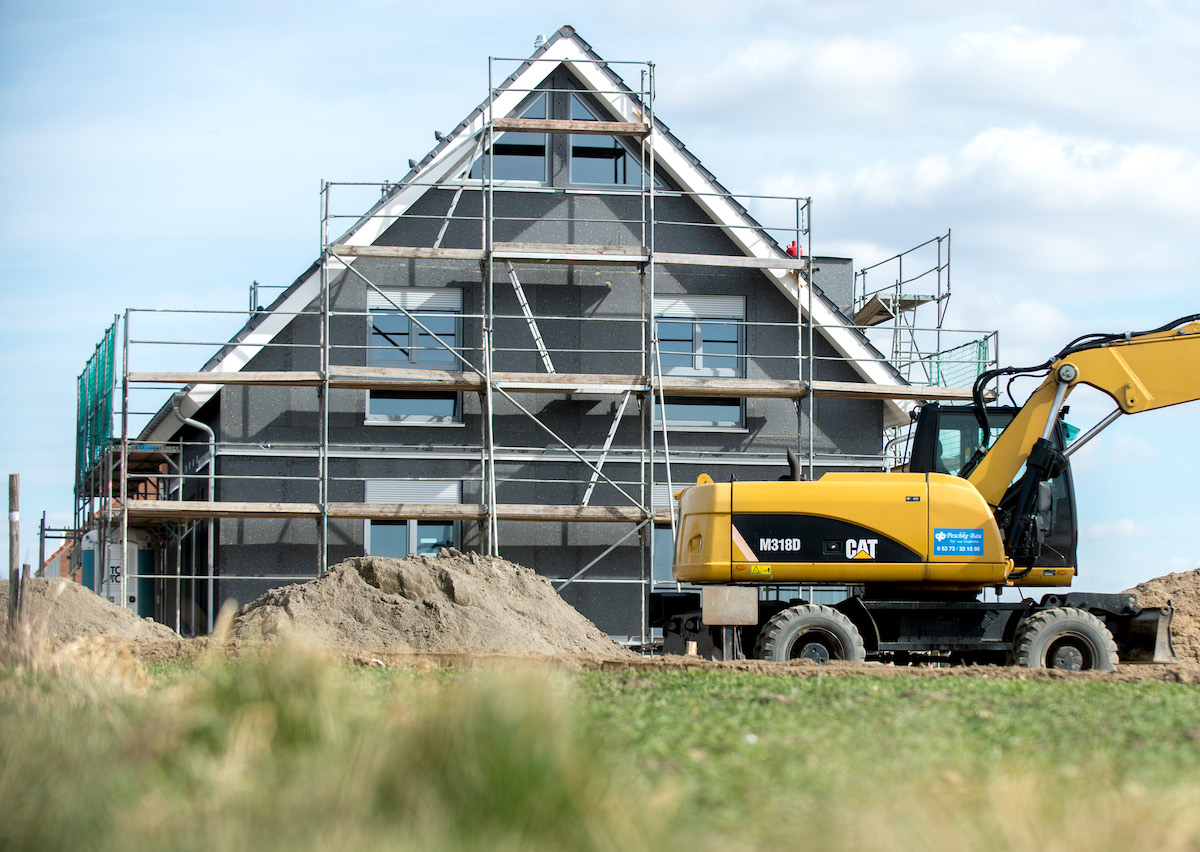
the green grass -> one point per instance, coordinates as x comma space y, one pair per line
292, 752
892, 763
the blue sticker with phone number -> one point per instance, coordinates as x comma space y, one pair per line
957, 542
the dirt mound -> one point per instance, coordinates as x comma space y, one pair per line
1183, 592
451, 602
59, 609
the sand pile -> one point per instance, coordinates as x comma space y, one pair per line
1183, 591
454, 601
60, 609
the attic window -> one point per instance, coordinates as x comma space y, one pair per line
519, 156
601, 159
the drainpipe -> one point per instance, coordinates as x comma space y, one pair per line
212, 470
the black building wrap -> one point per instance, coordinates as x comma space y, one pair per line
811, 538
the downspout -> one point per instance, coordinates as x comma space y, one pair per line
212, 478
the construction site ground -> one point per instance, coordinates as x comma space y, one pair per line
468, 611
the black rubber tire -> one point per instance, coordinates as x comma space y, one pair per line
811, 632
1065, 638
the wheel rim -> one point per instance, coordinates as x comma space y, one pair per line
815, 646
1070, 653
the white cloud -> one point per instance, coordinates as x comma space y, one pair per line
878, 67
782, 80
1043, 169
1123, 529
1131, 450
1013, 50
1032, 329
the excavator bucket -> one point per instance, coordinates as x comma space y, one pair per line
1148, 638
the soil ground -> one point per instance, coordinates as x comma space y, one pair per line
469, 611
1182, 591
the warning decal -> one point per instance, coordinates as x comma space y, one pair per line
957, 542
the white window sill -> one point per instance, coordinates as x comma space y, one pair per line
675, 428
435, 424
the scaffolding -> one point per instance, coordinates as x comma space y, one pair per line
906, 316
174, 488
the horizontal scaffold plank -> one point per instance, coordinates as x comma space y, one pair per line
403, 379
396, 378
569, 253
193, 509
732, 388
736, 261
478, 512
293, 378
199, 509
557, 125
863, 390
418, 252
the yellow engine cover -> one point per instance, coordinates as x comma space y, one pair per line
846, 528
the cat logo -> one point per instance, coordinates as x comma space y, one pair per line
861, 548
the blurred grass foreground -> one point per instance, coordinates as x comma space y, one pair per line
287, 750
290, 751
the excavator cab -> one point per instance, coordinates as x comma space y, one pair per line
947, 438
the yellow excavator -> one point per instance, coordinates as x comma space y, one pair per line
917, 548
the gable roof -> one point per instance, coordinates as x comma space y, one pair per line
459, 148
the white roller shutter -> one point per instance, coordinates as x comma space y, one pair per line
662, 494
413, 491
416, 298
731, 307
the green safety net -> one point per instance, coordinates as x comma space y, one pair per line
959, 367
94, 406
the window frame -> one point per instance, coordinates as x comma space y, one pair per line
412, 535
375, 418
699, 312
618, 144
417, 357
547, 149
737, 405
448, 492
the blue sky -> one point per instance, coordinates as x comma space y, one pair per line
165, 155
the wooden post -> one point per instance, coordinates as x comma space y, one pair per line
23, 600
14, 547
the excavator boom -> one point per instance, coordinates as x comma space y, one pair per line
1141, 372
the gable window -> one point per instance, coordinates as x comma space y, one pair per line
411, 537
601, 159
394, 340
519, 156
701, 336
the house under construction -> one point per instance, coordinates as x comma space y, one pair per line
553, 322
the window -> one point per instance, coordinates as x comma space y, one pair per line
699, 347
394, 340
392, 406
393, 538
410, 537
601, 159
701, 336
703, 412
519, 156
